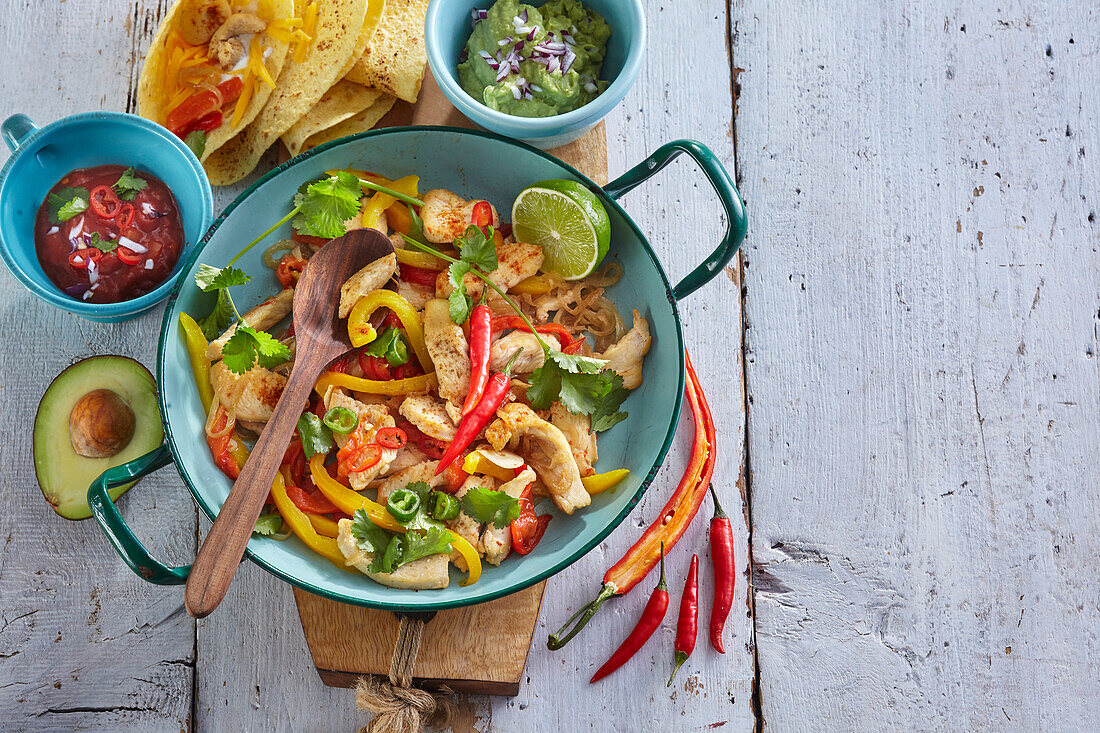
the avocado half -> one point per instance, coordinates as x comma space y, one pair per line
97, 414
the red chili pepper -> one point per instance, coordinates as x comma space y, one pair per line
128, 256
125, 216
527, 529
429, 446
86, 255
369, 456
419, 275
315, 503
651, 618
104, 202
455, 477
482, 215
471, 426
289, 270
501, 323
392, 438
481, 336
687, 624
725, 573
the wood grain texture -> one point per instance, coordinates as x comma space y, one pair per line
922, 313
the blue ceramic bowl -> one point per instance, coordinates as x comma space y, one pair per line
447, 29
42, 156
473, 164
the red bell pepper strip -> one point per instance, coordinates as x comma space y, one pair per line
308, 239
687, 624
221, 447
481, 336
567, 339
289, 270
419, 275
674, 519
527, 529
652, 616
202, 104
482, 214
316, 503
471, 425
725, 574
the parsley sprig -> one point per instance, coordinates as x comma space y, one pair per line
580, 383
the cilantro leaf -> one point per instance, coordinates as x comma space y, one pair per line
368, 535
218, 319
434, 541
420, 488
128, 185
545, 384
581, 393
268, 524
612, 396
487, 505
389, 559
391, 345
477, 248
247, 346
460, 302
196, 141
576, 363
103, 245
315, 436
327, 204
65, 203
217, 278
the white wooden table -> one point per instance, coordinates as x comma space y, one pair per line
912, 327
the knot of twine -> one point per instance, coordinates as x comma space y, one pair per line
398, 706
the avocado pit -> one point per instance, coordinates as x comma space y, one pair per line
101, 424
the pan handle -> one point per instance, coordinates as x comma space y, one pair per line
114, 526
737, 224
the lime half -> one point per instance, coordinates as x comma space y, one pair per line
567, 221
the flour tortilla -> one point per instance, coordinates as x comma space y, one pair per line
361, 122
395, 58
343, 101
300, 86
152, 100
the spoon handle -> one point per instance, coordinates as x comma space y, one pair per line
221, 552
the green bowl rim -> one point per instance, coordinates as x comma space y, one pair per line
473, 599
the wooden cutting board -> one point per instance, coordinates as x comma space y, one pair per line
349, 641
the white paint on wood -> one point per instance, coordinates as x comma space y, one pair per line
921, 318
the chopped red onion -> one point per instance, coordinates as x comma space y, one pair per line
567, 60
503, 71
77, 290
53, 230
534, 87
463, 55
505, 41
568, 39
76, 231
93, 273
554, 65
519, 46
132, 245
476, 16
523, 16
531, 33
516, 94
148, 264
590, 87
493, 64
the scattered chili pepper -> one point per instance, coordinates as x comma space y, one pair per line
481, 336
308, 239
105, 202
79, 258
673, 520
471, 425
455, 477
419, 275
340, 420
444, 506
725, 574
391, 438
651, 618
403, 505
687, 624
501, 323
128, 256
367, 457
527, 529
125, 216
289, 270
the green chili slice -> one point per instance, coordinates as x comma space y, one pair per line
341, 420
444, 506
403, 505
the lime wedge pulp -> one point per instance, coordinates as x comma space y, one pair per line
567, 221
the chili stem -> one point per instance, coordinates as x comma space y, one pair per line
390, 192
585, 614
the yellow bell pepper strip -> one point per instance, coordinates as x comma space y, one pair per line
476, 463
299, 524
374, 182
379, 202
600, 482
414, 331
423, 260
324, 525
349, 501
534, 285
196, 353
419, 384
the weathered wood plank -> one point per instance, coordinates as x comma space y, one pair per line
84, 643
921, 338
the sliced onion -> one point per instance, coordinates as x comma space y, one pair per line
502, 458
76, 231
567, 60
531, 33
148, 264
53, 230
132, 245
275, 252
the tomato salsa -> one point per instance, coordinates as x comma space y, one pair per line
108, 233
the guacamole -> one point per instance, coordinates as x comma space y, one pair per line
535, 62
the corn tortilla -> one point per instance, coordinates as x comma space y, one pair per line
342, 101
152, 97
395, 58
361, 122
366, 33
299, 87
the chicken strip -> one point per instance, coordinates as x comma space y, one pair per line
371, 419
547, 451
426, 573
577, 429
497, 541
504, 348
372, 277
407, 457
262, 318
250, 397
516, 261
625, 356
448, 349
420, 472
428, 416
466, 526
446, 215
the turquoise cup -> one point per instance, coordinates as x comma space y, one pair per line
41, 156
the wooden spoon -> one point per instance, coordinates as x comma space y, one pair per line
319, 341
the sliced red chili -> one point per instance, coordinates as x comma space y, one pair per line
125, 215
78, 258
370, 455
104, 202
419, 275
128, 256
375, 367
455, 477
392, 438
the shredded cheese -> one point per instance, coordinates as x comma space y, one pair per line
309, 29
256, 62
243, 100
